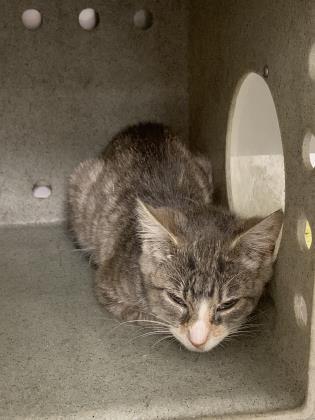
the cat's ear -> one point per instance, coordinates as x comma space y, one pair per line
257, 244
157, 229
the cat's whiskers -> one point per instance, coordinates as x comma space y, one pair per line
83, 250
160, 319
147, 335
172, 340
162, 339
249, 326
139, 329
238, 333
242, 334
254, 328
135, 321
246, 329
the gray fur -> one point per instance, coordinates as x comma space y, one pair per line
144, 212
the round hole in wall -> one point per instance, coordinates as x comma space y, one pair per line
254, 154
31, 19
88, 19
266, 71
143, 19
42, 191
309, 150
311, 62
304, 233
300, 310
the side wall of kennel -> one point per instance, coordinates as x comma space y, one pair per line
273, 39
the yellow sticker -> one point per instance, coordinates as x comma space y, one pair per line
308, 235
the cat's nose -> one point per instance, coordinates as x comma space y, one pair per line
198, 333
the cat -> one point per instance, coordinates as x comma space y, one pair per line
165, 255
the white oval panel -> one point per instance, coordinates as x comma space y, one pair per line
254, 155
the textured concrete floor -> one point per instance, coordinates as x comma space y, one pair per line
61, 356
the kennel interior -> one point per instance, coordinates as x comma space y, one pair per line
235, 78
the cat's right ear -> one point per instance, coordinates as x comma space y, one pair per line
258, 243
157, 230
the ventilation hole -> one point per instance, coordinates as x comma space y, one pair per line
311, 62
42, 191
309, 150
308, 235
300, 310
143, 19
304, 233
254, 154
266, 72
31, 18
88, 19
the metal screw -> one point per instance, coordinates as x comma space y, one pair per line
266, 71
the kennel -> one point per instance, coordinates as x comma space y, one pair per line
233, 78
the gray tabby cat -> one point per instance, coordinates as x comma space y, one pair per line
163, 252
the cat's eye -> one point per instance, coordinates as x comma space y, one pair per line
176, 299
227, 305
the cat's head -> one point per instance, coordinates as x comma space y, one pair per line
204, 273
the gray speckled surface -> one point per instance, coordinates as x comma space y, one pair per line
62, 355
243, 37
66, 91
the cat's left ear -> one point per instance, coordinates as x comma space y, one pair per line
257, 244
157, 229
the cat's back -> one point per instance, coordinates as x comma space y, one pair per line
140, 151
142, 139
145, 161
157, 167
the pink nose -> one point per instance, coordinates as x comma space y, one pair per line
198, 333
